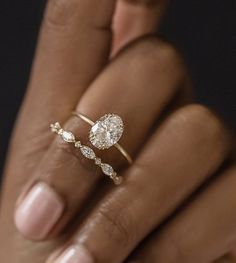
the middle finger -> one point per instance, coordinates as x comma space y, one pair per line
138, 96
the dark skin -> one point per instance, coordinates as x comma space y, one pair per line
159, 213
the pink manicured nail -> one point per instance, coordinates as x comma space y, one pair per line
75, 254
38, 212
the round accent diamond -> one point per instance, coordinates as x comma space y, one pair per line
78, 144
107, 131
55, 127
87, 152
98, 161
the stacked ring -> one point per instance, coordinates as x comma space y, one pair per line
87, 152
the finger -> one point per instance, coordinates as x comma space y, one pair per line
73, 47
233, 252
74, 44
111, 92
204, 231
135, 18
228, 258
172, 165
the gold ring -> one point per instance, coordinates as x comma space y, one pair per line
86, 151
106, 132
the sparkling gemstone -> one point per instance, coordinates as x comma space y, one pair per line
78, 144
107, 169
87, 152
68, 136
107, 131
98, 161
55, 127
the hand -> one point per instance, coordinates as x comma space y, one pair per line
171, 160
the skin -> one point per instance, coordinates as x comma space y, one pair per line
178, 197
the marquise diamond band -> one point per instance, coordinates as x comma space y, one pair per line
106, 132
86, 151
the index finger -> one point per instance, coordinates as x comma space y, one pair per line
73, 47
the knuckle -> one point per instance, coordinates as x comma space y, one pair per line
59, 12
205, 123
66, 155
157, 58
206, 119
119, 227
67, 13
201, 111
65, 149
159, 51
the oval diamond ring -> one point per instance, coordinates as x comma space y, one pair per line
106, 132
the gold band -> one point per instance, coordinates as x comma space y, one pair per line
117, 145
87, 152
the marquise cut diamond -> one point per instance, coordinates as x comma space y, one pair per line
107, 169
68, 136
107, 131
87, 152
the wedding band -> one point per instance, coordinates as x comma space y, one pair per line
86, 151
106, 132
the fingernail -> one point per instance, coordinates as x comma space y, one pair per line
75, 254
38, 212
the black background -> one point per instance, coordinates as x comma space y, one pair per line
204, 30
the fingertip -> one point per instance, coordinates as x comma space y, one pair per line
38, 212
73, 254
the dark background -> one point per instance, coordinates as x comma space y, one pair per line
204, 30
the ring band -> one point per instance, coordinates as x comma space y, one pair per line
104, 119
87, 152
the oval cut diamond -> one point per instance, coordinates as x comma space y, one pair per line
87, 152
107, 131
68, 136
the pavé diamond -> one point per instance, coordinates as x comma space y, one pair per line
55, 127
107, 131
68, 136
107, 169
87, 152
98, 161
78, 144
